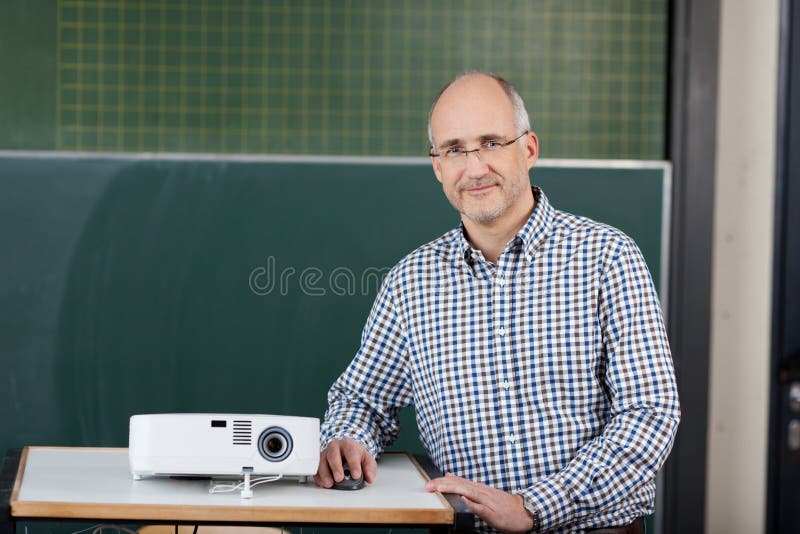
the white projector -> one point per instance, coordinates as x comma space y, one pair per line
223, 444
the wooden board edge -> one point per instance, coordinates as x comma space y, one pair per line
427, 477
18, 480
14, 503
424, 474
120, 512
418, 466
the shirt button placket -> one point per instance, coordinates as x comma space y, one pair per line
503, 299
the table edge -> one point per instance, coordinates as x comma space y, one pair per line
233, 514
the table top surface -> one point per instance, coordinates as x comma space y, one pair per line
97, 483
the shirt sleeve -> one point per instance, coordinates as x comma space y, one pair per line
644, 408
364, 401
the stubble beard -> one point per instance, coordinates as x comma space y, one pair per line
509, 194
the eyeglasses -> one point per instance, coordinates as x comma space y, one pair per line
456, 155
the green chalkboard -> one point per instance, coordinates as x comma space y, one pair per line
135, 286
351, 77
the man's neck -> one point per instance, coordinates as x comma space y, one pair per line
491, 239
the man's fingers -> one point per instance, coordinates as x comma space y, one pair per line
448, 478
499, 509
323, 477
333, 461
453, 484
370, 467
359, 462
337, 470
353, 454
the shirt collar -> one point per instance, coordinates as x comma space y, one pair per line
531, 235
537, 227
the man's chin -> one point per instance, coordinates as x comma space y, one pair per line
482, 216
485, 209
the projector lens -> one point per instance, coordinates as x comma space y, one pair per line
275, 444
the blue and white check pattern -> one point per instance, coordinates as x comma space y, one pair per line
548, 374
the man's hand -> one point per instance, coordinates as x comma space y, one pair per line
503, 511
358, 459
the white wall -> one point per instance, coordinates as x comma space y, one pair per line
742, 266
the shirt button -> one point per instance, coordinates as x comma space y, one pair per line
501, 331
506, 384
501, 281
512, 438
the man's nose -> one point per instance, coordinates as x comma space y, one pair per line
474, 165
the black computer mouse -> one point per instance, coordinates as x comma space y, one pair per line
349, 483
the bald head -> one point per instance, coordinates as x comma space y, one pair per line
474, 87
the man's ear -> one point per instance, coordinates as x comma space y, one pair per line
437, 168
531, 149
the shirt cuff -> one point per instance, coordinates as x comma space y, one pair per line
549, 502
363, 437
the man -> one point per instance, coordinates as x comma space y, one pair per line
529, 340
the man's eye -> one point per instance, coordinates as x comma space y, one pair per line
492, 144
453, 151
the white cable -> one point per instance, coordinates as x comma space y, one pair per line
228, 488
266, 479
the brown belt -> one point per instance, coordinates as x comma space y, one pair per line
637, 527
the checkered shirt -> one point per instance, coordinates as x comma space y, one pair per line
548, 374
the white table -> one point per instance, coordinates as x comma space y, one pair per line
96, 484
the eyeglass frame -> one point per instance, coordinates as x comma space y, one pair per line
476, 151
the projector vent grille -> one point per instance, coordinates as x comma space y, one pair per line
242, 432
